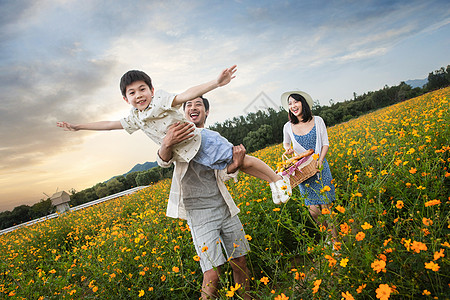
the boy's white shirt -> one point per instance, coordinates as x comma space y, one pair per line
156, 119
321, 136
175, 207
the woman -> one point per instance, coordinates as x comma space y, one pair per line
305, 131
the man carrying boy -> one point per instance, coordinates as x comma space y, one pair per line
199, 195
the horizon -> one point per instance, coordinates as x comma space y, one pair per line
62, 61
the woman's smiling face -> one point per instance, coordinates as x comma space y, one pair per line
295, 107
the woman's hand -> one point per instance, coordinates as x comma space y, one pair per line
289, 151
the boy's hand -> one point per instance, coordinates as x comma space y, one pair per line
226, 76
66, 126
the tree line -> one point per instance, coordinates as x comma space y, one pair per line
255, 131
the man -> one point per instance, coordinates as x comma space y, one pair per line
199, 195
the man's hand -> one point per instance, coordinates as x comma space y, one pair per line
238, 158
226, 76
177, 133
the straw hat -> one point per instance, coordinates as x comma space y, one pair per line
285, 96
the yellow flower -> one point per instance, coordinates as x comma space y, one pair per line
426, 293
383, 291
141, 293
196, 258
369, 174
360, 236
248, 237
205, 248
325, 189
343, 262
399, 204
432, 266
366, 226
276, 209
176, 269
264, 280
95, 289
315, 156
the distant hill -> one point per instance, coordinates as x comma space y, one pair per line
417, 82
142, 167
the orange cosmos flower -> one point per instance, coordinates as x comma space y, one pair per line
347, 296
427, 222
432, 266
366, 226
205, 249
413, 171
439, 254
360, 288
340, 209
196, 258
176, 269
417, 246
378, 265
360, 236
316, 285
264, 280
432, 202
383, 291
399, 204
282, 296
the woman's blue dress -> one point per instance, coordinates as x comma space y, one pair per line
311, 187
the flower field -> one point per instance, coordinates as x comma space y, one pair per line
391, 171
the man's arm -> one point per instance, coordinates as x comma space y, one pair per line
238, 159
224, 78
102, 125
177, 133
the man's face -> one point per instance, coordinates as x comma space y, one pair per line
195, 112
139, 95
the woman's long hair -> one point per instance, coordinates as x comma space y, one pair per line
306, 110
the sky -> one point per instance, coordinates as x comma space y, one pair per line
61, 60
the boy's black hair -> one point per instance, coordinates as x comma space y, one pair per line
133, 76
306, 110
205, 103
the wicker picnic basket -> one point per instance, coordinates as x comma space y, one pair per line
300, 172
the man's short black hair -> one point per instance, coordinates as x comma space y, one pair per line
205, 103
133, 76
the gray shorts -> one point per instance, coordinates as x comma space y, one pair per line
212, 229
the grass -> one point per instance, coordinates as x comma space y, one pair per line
392, 211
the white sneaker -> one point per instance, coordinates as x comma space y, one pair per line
284, 188
275, 193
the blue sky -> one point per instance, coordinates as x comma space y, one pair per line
62, 60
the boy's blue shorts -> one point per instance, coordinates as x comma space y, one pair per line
215, 152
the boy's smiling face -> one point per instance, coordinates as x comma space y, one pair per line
139, 95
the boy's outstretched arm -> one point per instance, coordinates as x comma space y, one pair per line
224, 78
102, 125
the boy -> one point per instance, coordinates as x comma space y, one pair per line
153, 112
